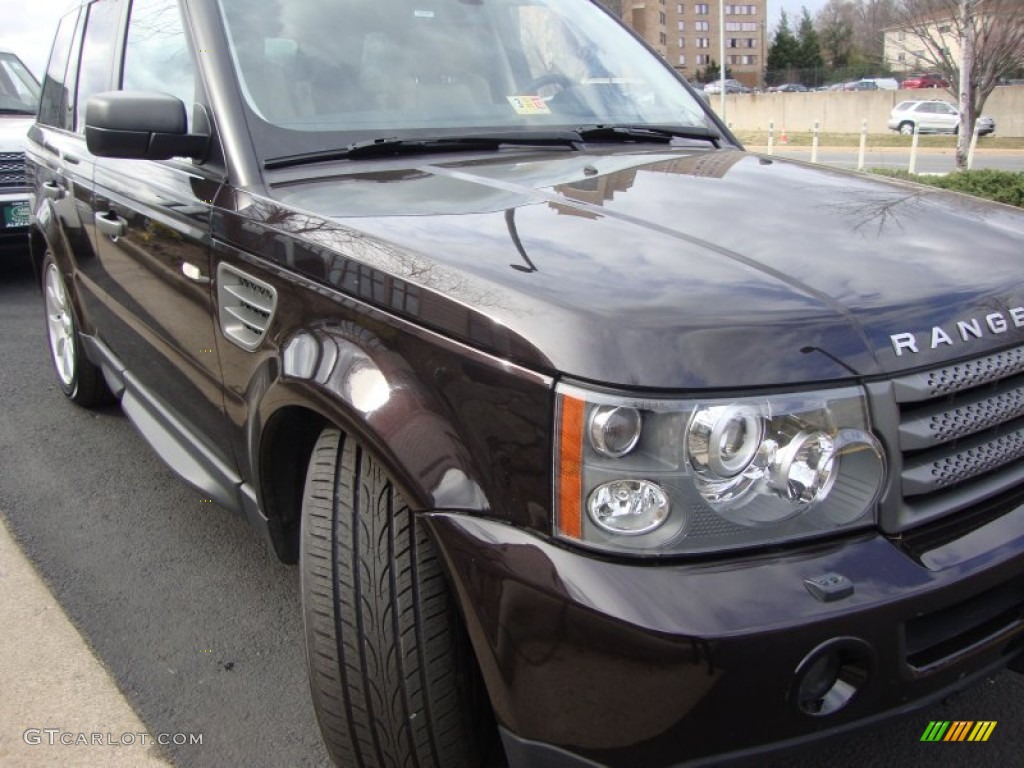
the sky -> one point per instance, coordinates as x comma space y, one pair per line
791, 7
28, 25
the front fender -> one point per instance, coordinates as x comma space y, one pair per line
457, 429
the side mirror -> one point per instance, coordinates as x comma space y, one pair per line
140, 125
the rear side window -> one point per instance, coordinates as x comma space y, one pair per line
97, 54
157, 56
54, 103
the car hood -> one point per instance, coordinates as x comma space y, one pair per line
674, 269
13, 132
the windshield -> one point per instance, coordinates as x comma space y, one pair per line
322, 73
19, 91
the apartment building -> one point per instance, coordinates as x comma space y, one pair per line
688, 34
931, 42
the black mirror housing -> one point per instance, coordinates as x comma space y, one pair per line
140, 125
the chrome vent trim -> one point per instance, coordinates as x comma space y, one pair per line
246, 306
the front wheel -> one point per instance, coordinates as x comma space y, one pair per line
394, 682
907, 129
80, 380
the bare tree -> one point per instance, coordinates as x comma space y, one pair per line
836, 28
972, 43
872, 19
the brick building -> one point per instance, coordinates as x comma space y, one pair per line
687, 34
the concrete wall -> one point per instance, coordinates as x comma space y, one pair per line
842, 112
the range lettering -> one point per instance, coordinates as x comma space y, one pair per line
965, 330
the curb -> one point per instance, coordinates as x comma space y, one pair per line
59, 705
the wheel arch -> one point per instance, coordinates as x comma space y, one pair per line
343, 376
46, 235
38, 246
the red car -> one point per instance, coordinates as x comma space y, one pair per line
926, 81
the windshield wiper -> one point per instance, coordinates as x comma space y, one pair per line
656, 133
573, 139
13, 111
392, 145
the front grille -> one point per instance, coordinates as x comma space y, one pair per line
12, 169
960, 438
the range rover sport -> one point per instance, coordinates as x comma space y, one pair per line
589, 452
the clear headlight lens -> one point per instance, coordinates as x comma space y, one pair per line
628, 507
614, 431
662, 476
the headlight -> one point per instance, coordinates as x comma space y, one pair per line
660, 476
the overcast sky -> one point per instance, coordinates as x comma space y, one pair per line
792, 9
28, 25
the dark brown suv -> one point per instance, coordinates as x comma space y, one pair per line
589, 451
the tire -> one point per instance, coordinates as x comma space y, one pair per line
907, 129
393, 680
80, 380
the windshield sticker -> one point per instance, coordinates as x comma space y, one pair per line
529, 105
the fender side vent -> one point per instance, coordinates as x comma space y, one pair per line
246, 306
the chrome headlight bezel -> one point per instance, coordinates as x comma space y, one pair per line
734, 472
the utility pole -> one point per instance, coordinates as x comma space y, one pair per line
721, 54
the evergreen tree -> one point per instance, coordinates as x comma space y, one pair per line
808, 54
712, 73
783, 52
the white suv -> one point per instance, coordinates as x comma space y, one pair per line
932, 117
19, 97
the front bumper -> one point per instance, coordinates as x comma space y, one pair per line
593, 662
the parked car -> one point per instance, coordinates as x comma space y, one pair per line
860, 85
883, 83
932, 116
731, 86
19, 98
925, 81
789, 88
588, 450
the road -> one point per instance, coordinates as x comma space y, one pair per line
928, 161
200, 627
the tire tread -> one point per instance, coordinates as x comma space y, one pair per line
384, 662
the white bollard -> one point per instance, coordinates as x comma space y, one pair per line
771, 138
814, 144
863, 145
913, 151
